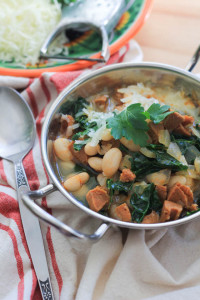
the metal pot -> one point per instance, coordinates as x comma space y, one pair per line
110, 76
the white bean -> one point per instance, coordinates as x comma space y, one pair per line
75, 182
61, 148
91, 150
111, 162
102, 179
130, 144
84, 177
106, 136
95, 163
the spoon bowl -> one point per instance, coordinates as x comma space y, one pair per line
17, 136
17, 126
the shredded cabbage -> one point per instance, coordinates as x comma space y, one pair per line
24, 25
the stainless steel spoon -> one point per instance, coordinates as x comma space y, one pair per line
17, 135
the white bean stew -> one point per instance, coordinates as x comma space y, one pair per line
132, 154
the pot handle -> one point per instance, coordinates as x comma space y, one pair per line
193, 61
28, 199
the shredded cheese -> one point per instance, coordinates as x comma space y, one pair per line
100, 118
138, 94
24, 25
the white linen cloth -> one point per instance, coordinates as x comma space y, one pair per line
123, 265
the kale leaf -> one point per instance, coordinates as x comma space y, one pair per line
142, 165
73, 107
166, 161
189, 146
143, 203
119, 186
189, 213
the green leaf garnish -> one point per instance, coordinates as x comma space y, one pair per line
158, 113
131, 124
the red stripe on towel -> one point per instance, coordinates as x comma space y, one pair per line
30, 170
44, 88
18, 258
32, 101
10, 209
61, 80
53, 259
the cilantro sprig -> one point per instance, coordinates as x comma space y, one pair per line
158, 113
131, 122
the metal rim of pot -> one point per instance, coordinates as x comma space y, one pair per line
29, 197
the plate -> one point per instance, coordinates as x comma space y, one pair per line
88, 43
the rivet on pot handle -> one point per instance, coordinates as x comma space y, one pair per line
192, 63
28, 200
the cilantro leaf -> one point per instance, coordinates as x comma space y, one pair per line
131, 124
158, 113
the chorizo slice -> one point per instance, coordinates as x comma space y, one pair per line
188, 120
170, 211
78, 155
152, 218
97, 198
154, 130
177, 195
127, 175
172, 121
181, 130
181, 194
188, 192
101, 100
122, 213
162, 192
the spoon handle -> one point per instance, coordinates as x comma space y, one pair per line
33, 235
